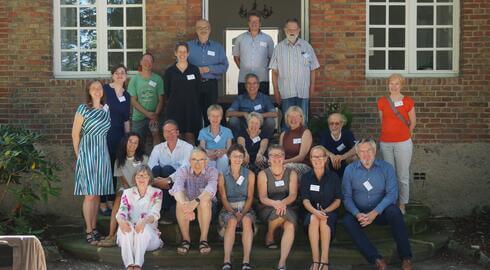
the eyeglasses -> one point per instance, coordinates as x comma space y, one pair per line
240, 156
195, 160
334, 123
317, 157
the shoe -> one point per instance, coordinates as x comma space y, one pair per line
407, 264
166, 221
107, 242
381, 264
107, 212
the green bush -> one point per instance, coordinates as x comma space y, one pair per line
318, 123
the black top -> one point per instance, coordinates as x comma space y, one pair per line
252, 148
329, 188
340, 147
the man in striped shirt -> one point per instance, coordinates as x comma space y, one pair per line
293, 67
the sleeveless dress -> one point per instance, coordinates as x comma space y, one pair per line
93, 174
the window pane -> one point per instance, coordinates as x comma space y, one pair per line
68, 2
68, 39
134, 39
88, 17
444, 60
425, 15
400, 1
425, 38
133, 1
88, 39
377, 60
444, 37
133, 59
115, 39
134, 16
397, 37
444, 15
425, 1
114, 2
115, 58
425, 61
396, 60
69, 61
377, 15
86, 2
115, 16
377, 37
444, 1
88, 61
397, 15
68, 17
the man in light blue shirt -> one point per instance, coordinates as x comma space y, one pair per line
370, 194
211, 59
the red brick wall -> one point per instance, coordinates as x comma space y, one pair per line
448, 110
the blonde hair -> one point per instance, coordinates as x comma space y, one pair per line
396, 76
291, 110
215, 107
321, 148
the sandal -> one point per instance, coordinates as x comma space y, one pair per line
246, 266
313, 264
281, 268
96, 234
184, 247
226, 266
204, 247
323, 264
271, 245
89, 237
109, 241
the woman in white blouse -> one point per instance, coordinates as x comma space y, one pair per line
138, 219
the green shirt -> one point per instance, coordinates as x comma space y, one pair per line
147, 91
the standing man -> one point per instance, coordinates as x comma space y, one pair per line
210, 57
293, 67
146, 90
252, 53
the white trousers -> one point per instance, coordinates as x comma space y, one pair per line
134, 245
399, 155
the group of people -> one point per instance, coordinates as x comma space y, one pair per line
294, 181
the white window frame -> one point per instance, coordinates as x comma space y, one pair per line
410, 42
102, 51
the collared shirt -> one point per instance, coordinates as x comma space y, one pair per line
321, 193
367, 189
210, 54
255, 53
194, 185
294, 63
261, 104
133, 207
338, 147
161, 155
215, 142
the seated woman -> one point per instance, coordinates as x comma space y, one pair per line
321, 195
339, 143
255, 143
216, 139
236, 189
296, 141
129, 156
277, 187
138, 219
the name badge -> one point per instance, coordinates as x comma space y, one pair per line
263, 44
258, 107
136, 164
398, 103
341, 147
191, 77
367, 185
279, 183
315, 188
239, 181
217, 138
256, 139
122, 98
106, 107
296, 140
152, 83
211, 53
306, 55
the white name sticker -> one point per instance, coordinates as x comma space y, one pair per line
136, 164
217, 138
296, 140
256, 139
106, 107
279, 183
239, 181
341, 147
211, 53
122, 98
191, 77
315, 188
398, 103
263, 44
306, 55
367, 185
258, 107
152, 83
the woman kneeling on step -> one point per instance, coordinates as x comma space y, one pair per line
236, 189
138, 219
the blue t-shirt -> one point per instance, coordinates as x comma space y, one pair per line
340, 147
215, 142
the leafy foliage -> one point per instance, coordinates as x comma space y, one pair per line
318, 123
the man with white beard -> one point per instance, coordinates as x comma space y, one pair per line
370, 194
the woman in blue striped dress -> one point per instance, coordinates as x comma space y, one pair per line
93, 176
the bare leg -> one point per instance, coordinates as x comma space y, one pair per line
156, 137
183, 222
325, 234
88, 209
190, 138
95, 208
247, 238
286, 242
313, 231
115, 208
229, 239
272, 226
204, 218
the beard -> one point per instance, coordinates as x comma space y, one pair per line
292, 38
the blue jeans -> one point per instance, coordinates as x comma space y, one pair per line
303, 103
168, 201
391, 216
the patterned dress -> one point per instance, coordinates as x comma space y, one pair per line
93, 175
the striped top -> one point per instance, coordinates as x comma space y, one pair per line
294, 63
254, 54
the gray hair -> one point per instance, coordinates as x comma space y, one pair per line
215, 107
251, 75
342, 117
370, 141
143, 168
255, 115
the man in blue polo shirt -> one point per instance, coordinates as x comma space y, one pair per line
370, 194
211, 59
251, 101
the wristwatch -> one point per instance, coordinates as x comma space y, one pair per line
197, 200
